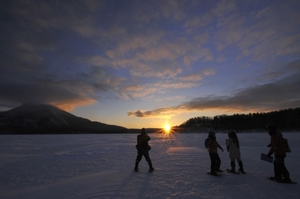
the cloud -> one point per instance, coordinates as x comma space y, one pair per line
165, 113
163, 85
39, 64
271, 33
197, 77
139, 91
156, 56
261, 33
134, 43
24, 82
36, 91
70, 105
283, 93
173, 9
198, 21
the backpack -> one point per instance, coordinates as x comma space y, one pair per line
206, 143
287, 146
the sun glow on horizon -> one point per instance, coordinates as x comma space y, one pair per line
167, 128
167, 131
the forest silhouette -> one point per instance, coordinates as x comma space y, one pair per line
287, 120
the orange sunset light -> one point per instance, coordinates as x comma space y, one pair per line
167, 128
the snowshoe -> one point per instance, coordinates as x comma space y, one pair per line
151, 170
282, 181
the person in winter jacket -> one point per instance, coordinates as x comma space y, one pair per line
213, 146
233, 147
277, 146
143, 150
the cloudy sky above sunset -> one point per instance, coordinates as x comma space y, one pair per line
140, 63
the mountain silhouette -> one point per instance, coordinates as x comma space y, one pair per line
47, 119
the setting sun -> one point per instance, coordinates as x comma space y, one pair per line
167, 128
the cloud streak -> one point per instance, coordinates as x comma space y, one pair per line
281, 94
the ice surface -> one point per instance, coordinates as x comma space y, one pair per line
101, 166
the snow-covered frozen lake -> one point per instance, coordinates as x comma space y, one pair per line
101, 166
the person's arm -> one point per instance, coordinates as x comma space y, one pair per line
228, 143
219, 146
274, 144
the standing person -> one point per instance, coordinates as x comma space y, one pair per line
212, 145
277, 146
233, 147
143, 150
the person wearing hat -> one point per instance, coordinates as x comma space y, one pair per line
143, 150
277, 146
212, 146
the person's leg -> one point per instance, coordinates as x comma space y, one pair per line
212, 163
218, 162
241, 166
147, 157
232, 164
215, 163
277, 170
282, 169
138, 159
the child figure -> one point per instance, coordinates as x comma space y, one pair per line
233, 147
213, 146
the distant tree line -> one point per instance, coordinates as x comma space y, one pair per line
288, 120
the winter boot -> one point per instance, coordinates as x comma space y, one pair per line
136, 168
150, 166
241, 169
232, 164
286, 175
214, 173
286, 178
151, 170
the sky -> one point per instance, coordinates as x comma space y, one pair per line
146, 63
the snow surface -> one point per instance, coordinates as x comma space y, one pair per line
101, 166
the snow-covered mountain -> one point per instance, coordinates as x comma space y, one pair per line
42, 118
